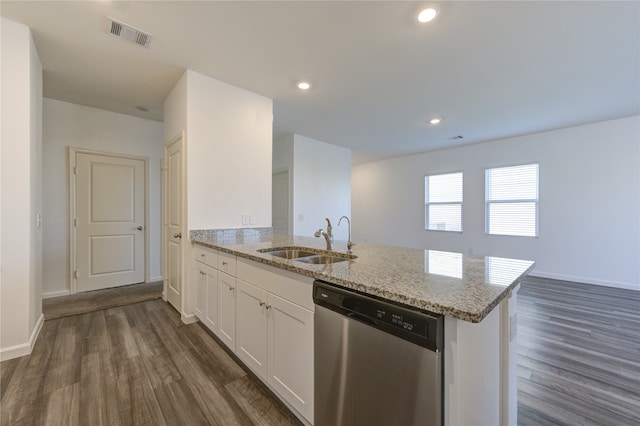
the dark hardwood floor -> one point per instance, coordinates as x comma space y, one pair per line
132, 365
80, 303
578, 364
579, 354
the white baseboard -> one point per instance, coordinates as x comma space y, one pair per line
58, 293
189, 319
156, 279
627, 286
24, 348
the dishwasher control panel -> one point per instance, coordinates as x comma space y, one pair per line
415, 326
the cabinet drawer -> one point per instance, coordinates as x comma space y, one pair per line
227, 263
207, 256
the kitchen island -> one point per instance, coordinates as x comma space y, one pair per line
476, 294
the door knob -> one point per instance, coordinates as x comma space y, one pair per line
178, 235
140, 228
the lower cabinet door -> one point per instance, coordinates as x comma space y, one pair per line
227, 310
201, 292
211, 316
251, 327
290, 353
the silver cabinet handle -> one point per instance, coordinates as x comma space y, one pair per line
203, 255
231, 288
224, 263
262, 303
178, 235
268, 307
140, 228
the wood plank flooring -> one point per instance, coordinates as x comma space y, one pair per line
578, 364
81, 303
579, 354
132, 365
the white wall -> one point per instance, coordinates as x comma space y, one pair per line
21, 191
70, 125
229, 133
589, 201
227, 148
321, 181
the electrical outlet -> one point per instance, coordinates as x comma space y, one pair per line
245, 219
252, 219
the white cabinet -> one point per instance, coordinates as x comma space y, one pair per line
275, 331
227, 290
201, 291
211, 315
215, 288
206, 281
265, 316
290, 353
251, 327
206, 306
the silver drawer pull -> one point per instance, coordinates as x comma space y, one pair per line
230, 288
224, 263
262, 303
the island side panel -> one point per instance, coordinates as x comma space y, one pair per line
472, 380
509, 364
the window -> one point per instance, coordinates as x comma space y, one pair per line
443, 202
511, 196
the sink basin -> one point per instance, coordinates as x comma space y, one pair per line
307, 255
290, 253
322, 259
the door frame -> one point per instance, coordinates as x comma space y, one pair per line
72, 151
290, 195
180, 136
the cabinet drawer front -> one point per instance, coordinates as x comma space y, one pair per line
227, 263
206, 256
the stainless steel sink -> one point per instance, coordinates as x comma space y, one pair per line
308, 255
322, 259
291, 253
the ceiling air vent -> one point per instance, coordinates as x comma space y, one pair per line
128, 33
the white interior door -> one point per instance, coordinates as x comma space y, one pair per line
280, 201
173, 223
110, 214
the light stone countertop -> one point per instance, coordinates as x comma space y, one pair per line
456, 285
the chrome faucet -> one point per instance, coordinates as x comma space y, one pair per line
328, 235
349, 242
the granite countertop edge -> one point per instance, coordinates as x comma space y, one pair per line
248, 251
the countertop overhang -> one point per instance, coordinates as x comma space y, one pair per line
457, 285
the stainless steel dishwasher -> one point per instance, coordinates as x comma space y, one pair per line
376, 363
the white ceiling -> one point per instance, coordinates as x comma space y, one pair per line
489, 69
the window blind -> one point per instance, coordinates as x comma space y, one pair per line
443, 202
511, 196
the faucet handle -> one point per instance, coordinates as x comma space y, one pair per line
329, 227
318, 233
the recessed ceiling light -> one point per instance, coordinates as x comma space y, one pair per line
435, 121
303, 85
427, 15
